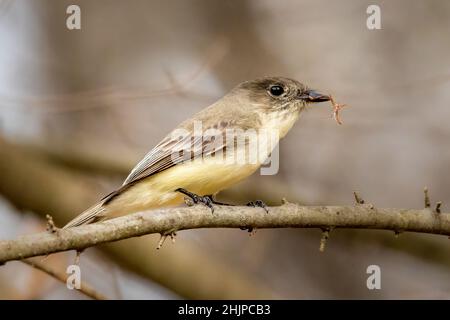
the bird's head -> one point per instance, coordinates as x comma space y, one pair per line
280, 94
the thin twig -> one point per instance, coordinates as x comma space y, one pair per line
85, 288
358, 199
427, 201
324, 239
437, 209
161, 241
172, 234
78, 257
50, 224
93, 99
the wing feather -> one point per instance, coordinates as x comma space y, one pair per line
171, 151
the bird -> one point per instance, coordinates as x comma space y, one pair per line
166, 174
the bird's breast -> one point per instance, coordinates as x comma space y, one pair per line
280, 122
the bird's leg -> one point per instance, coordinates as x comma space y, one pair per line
209, 201
256, 203
214, 201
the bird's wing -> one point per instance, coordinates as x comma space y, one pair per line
165, 155
172, 151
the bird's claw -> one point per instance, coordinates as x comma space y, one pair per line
196, 199
251, 230
259, 204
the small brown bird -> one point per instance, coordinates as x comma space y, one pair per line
186, 163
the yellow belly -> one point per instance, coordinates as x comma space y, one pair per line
202, 177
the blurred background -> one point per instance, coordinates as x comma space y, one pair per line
78, 108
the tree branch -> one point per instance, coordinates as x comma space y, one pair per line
169, 220
61, 277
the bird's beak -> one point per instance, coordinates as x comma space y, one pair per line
313, 96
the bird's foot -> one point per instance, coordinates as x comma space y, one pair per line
255, 204
207, 200
259, 204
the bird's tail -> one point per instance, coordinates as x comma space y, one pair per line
97, 212
93, 214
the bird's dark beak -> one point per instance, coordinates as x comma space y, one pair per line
313, 96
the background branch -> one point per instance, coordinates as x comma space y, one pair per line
60, 276
170, 220
33, 181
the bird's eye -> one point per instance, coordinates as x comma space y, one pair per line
276, 90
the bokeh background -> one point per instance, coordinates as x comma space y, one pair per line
78, 108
